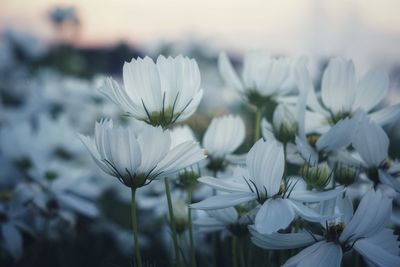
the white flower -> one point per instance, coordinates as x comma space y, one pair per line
223, 136
372, 143
262, 181
138, 158
262, 77
342, 95
181, 134
365, 232
159, 93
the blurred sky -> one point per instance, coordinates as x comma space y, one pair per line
353, 28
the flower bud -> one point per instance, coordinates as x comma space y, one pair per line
181, 216
345, 174
188, 179
316, 176
284, 124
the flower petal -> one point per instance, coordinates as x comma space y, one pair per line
274, 214
228, 73
223, 201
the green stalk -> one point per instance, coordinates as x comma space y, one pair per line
192, 248
257, 128
172, 222
134, 228
234, 251
241, 253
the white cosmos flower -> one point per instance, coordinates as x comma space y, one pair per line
159, 93
365, 232
138, 158
262, 181
342, 95
372, 144
223, 136
262, 76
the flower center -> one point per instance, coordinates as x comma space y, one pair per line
333, 232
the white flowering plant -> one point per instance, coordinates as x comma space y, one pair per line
309, 180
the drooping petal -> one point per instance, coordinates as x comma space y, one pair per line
340, 135
306, 151
315, 196
338, 85
282, 241
265, 162
274, 214
321, 254
389, 180
307, 213
223, 201
226, 185
371, 90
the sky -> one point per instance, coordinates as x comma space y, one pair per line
357, 28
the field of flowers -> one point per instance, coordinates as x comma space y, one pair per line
194, 160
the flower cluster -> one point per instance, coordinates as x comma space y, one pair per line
309, 181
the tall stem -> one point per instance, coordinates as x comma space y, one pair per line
257, 128
192, 248
234, 251
241, 252
134, 228
172, 222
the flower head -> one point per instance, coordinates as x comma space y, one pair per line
136, 158
159, 93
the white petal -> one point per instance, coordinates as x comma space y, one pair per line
12, 239
154, 146
78, 204
228, 73
142, 83
223, 201
371, 90
265, 162
227, 185
389, 180
376, 253
227, 215
307, 213
224, 135
315, 196
371, 216
306, 151
338, 85
282, 241
180, 157
274, 214
386, 115
321, 254
371, 142
338, 136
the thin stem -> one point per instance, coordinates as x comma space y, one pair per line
257, 128
241, 253
134, 228
172, 222
192, 248
234, 251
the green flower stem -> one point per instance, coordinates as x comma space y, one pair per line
234, 251
192, 248
134, 228
257, 128
241, 253
172, 222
